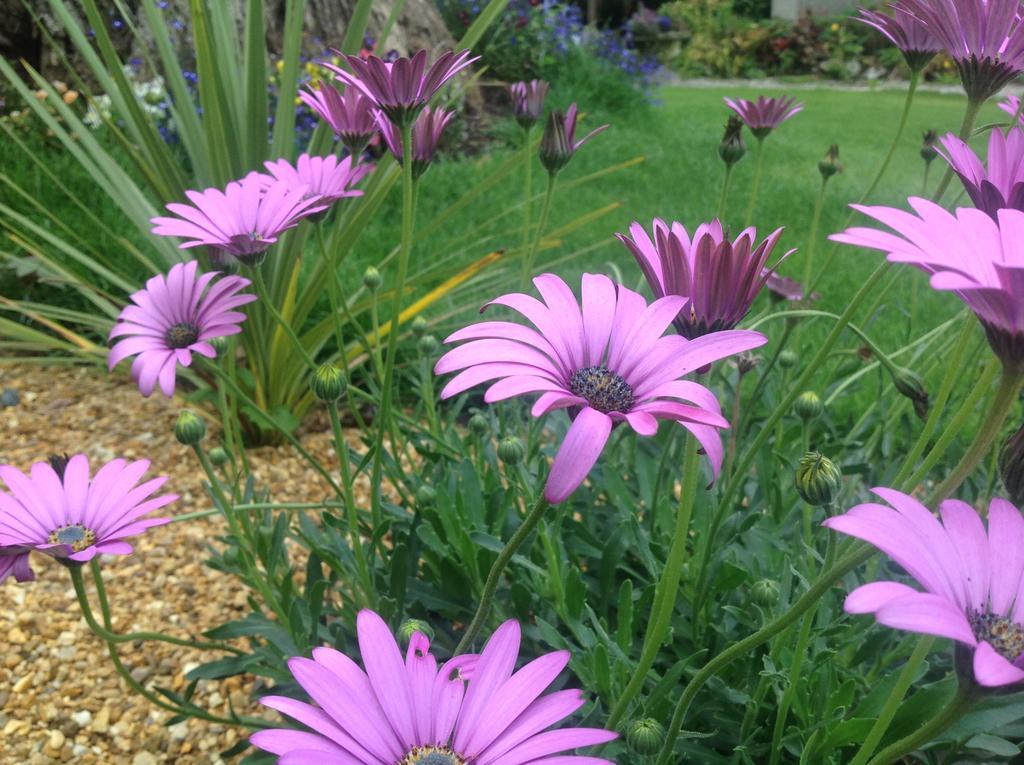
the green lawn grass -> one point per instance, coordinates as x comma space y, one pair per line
680, 178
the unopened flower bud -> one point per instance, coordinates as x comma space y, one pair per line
219, 456
419, 326
328, 383
426, 496
911, 386
829, 165
411, 626
220, 344
808, 405
928, 150
1011, 467
765, 592
818, 479
788, 359
479, 424
511, 450
372, 279
428, 345
746, 361
732, 148
189, 429
555, 149
645, 736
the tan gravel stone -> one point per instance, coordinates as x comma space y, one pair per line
55, 674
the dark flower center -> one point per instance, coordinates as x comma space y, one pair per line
75, 535
604, 390
182, 335
431, 755
1003, 634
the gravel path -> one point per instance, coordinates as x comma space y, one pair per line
60, 698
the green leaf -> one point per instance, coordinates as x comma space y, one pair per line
993, 745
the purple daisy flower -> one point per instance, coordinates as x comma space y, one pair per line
14, 562
426, 135
243, 220
1002, 185
1011, 105
57, 509
972, 579
474, 709
908, 33
969, 253
609, 362
558, 144
985, 39
528, 101
401, 88
174, 317
717, 279
784, 288
765, 114
349, 114
326, 179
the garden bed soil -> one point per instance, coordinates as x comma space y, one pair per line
60, 698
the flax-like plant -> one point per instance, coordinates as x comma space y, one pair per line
220, 122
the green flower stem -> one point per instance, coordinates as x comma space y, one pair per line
812, 237
924, 180
954, 367
667, 590
799, 654
999, 407
264, 295
339, 304
527, 185
494, 576
429, 397
734, 420
112, 640
724, 197
107, 634
531, 254
858, 555
333, 295
253, 575
313, 462
957, 424
892, 703
375, 356
735, 481
387, 392
351, 511
232, 373
962, 701
915, 79
970, 116
755, 184
761, 382
260, 506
